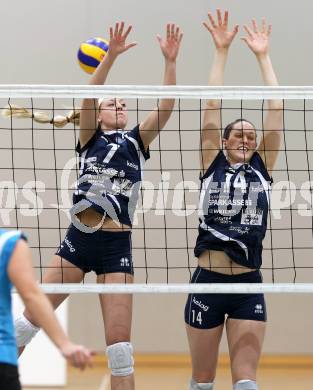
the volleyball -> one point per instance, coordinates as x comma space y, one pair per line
91, 53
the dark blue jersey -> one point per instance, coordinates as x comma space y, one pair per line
234, 203
111, 166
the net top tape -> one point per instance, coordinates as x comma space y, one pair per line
153, 91
213, 288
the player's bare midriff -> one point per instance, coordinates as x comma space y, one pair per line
218, 261
92, 218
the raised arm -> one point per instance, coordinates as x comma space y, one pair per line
157, 119
21, 274
90, 107
258, 41
211, 126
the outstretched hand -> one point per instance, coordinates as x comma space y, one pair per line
117, 44
222, 37
170, 45
258, 40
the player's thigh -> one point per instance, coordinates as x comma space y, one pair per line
245, 341
204, 347
60, 270
116, 309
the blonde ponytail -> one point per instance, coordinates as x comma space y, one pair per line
41, 117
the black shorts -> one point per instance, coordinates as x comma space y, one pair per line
206, 311
9, 379
102, 251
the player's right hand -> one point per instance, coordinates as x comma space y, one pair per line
77, 355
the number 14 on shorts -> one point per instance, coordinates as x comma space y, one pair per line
196, 317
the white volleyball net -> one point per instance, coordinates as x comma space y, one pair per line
39, 169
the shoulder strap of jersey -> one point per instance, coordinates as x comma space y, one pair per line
219, 161
80, 149
257, 163
135, 134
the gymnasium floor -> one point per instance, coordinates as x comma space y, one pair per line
283, 375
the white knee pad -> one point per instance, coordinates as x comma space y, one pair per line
246, 384
200, 386
24, 330
121, 361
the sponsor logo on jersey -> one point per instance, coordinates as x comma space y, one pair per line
91, 159
125, 262
69, 244
240, 230
200, 304
223, 220
100, 169
258, 309
252, 217
132, 165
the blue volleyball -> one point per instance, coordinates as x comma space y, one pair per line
91, 53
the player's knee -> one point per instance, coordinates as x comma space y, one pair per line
120, 359
200, 386
246, 384
24, 331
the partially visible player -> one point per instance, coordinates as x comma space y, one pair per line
16, 268
99, 238
234, 204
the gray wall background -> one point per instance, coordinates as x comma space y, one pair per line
39, 44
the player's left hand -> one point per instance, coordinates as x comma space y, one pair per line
258, 40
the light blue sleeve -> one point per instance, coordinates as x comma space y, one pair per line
8, 240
